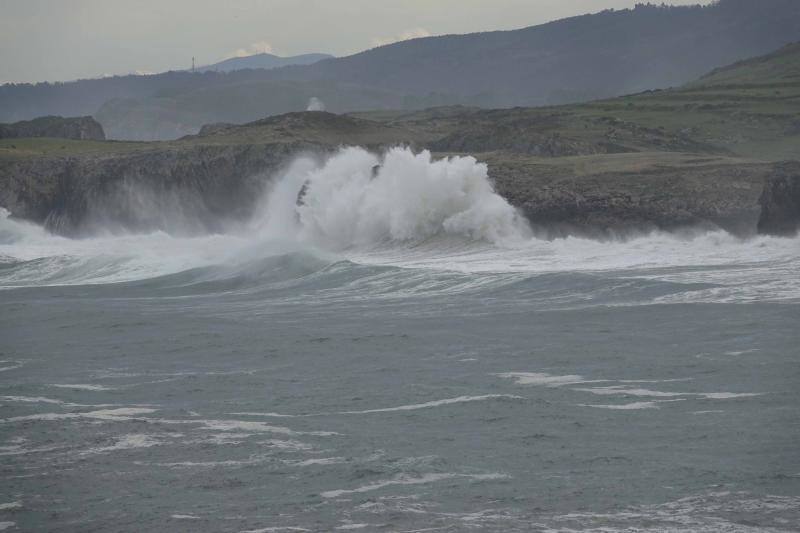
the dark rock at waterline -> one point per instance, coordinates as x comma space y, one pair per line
189, 191
79, 128
780, 202
636, 195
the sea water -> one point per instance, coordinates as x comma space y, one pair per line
397, 352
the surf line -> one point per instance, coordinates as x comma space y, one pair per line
410, 407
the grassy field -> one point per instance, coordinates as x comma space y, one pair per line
14, 149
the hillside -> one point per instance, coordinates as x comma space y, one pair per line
705, 154
580, 58
577, 59
749, 109
263, 61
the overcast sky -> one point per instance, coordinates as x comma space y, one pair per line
69, 39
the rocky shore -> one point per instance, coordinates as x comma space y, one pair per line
202, 183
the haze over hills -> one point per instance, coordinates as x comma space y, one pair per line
571, 60
263, 61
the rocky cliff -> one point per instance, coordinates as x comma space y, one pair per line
203, 187
602, 169
780, 201
192, 190
81, 128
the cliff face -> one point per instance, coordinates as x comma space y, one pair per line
780, 202
581, 172
79, 128
181, 191
203, 188
636, 195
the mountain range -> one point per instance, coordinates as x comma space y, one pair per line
614, 52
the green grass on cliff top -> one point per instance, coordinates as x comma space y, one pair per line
14, 149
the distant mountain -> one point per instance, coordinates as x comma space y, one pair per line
263, 61
571, 60
580, 58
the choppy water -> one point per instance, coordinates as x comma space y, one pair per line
421, 365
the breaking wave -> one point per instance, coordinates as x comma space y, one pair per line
402, 222
358, 199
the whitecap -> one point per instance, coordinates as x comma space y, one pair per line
435, 403
324, 461
80, 386
409, 480
129, 442
549, 380
625, 407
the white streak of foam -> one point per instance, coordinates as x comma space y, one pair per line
408, 480
80, 386
19, 450
410, 407
728, 395
269, 415
275, 529
10, 506
617, 390
625, 407
288, 445
435, 403
259, 427
30, 399
185, 517
129, 442
121, 414
6, 525
317, 462
539, 378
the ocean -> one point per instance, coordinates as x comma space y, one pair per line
397, 352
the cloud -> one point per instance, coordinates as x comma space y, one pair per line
260, 47
413, 33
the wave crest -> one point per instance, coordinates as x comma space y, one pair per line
358, 199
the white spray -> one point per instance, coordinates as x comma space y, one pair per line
315, 104
358, 199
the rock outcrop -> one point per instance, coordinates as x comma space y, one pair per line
203, 183
605, 204
780, 202
186, 191
79, 128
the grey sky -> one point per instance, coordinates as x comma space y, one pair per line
68, 39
